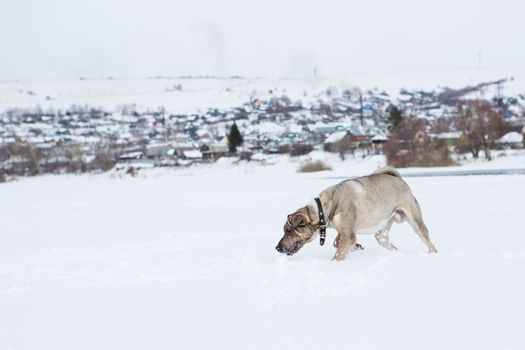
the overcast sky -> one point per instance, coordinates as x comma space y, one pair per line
139, 38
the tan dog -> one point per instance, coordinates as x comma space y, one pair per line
364, 205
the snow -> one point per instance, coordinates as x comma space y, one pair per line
266, 128
379, 137
194, 154
131, 155
135, 163
449, 135
511, 137
185, 259
336, 137
200, 94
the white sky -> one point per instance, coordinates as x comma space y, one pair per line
138, 38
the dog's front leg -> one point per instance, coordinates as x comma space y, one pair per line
343, 243
356, 246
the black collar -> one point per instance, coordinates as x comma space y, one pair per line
322, 222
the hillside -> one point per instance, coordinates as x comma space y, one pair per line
189, 95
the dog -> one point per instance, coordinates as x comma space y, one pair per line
364, 205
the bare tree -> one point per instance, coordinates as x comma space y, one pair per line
25, 159
73, 155
344, 146
106, 155
480, 125
441, 125
410, 145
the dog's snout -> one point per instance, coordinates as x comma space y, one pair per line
279, 248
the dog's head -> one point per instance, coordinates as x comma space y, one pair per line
298, 230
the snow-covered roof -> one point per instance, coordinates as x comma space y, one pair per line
336, 136
182, 145
268, 128
131, 155
380, 137
449, 135
217, 148
260, 156
193, 154
511, 137
357, 130
202, 132
159, 145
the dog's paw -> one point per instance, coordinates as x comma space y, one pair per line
339, 257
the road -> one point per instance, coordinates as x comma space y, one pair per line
440, 173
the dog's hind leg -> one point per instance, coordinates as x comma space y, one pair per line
382, 235
415, 219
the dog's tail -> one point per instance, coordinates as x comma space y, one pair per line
388, 170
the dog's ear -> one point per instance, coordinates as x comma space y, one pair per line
300, 218
297, 219
307, 215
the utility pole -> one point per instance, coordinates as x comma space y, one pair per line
479, 59
498, 88
165, 124
361, 107
500, 98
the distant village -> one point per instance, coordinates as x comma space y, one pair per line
86, 138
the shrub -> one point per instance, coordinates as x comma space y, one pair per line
312, 166
132, 171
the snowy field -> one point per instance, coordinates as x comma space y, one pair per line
185, 260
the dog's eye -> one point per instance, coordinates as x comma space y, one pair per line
301, 225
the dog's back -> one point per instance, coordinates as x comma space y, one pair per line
388, 170
372, 198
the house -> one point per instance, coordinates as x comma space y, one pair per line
378, 141
192, 155
214, 151
133, 160
129, 157
204, 136
163, 154
158, 150
181, 137
323, 128
180, 147
451, 138
334, 139
344, 140
244, 152
511, 139
340, 142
